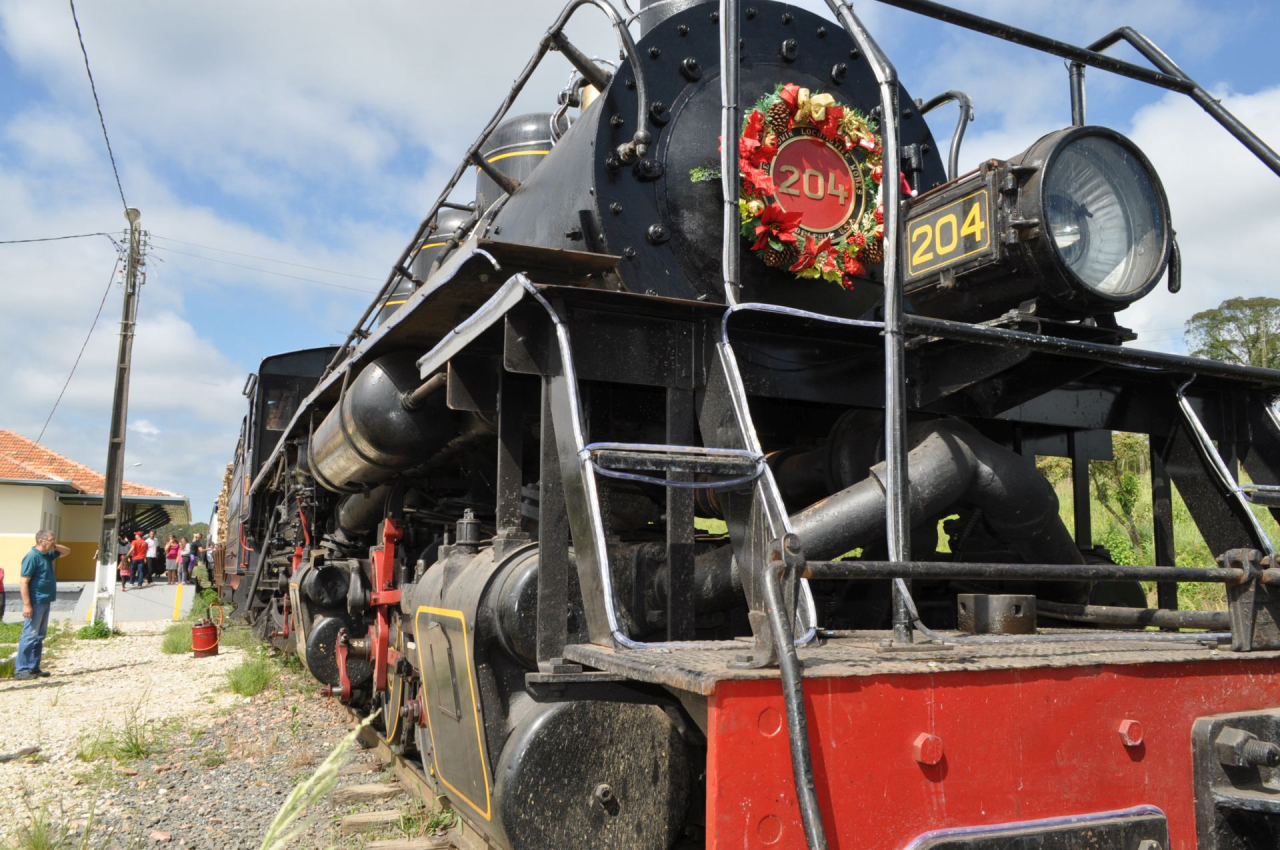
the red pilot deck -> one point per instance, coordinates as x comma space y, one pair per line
1016, 732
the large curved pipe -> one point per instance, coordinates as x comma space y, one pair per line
951, 463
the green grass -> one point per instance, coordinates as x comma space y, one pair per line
1190, 550
200, 604
252, 676
43, 831
132, 741
176, 639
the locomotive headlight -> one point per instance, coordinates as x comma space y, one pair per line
1105, 214
1079, 223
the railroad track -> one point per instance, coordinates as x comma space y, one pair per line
413, 784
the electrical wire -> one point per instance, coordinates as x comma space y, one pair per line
263, 271
265, 259
54, 238
101, 120
83, 346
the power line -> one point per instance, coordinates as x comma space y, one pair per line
55, 238
265, 259
93, 325
96, 103
263, 271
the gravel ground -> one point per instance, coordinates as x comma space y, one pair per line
213, 780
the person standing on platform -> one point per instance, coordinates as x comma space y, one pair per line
154, 557
39, 586
138, 558
171, 552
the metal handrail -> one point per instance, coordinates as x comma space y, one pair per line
552, 39
966, 115
1168, 76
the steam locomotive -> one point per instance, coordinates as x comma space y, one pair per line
680, 489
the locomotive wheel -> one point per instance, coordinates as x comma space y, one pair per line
392, 711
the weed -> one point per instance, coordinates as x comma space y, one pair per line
42, 831
200, 604
286, 826
97, 630
177, 639
251, 676
213, 759
442, 818
132, 741
239, 636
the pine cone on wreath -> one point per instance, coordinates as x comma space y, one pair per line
872, 253
779, 259
778, 118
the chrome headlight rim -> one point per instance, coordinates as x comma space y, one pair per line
1071, 289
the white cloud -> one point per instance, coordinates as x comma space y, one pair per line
144, 429
1223, 203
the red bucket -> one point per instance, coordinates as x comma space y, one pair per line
204, 639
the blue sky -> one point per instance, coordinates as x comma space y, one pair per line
316, 134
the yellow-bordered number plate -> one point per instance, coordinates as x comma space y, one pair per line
955, 233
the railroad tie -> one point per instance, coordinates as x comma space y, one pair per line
366, 793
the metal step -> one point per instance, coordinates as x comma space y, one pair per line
649, 457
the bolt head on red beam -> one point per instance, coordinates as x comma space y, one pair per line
1130, 733
927, 749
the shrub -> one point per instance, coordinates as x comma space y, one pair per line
97, 630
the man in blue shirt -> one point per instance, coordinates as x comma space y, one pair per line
39, 587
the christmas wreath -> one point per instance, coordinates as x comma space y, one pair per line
809, 198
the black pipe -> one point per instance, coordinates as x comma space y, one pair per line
950, 463
1107, 615
414, 400
948, 570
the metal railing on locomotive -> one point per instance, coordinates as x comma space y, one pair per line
553, 39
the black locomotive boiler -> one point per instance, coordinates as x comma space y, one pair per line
619, 508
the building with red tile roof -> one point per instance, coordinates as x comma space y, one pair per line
40, 488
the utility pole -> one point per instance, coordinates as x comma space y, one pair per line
105, 595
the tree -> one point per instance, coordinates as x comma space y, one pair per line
1239, 330
1117, 483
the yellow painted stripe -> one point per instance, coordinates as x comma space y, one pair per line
432, 245
401, 301
177, 602
487, 811
517, 153
88, 615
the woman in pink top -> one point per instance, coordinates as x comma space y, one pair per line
171, 552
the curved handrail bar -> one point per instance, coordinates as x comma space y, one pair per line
1206, 101
966, 115
1168, 76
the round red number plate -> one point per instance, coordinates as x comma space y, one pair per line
813, 178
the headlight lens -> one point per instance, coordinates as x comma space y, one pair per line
1103, 213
